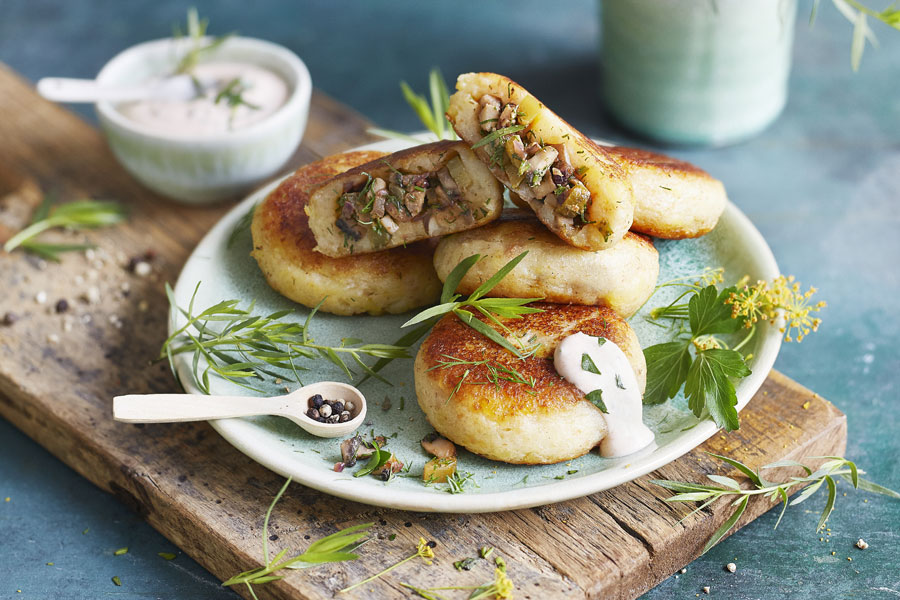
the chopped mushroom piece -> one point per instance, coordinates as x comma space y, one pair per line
489, 114
508, 116
438, 446
391, 466
350, 450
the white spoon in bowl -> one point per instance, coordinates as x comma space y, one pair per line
172, 408
174, 88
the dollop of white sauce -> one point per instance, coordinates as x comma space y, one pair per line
621, 394
203, 116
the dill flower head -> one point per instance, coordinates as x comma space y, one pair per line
423, 550
503, 585
711, 276
762, 301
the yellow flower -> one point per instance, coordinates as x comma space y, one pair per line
762, 302
503, 585
423, 549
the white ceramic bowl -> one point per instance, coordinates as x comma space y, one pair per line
199, 170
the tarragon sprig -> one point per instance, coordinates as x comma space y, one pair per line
196, 31
336, 547
834, 466
82, 214
433, 114
255, 347
492, 308
858, 13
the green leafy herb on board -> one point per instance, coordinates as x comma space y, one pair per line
82, 214
834, 466
336, 547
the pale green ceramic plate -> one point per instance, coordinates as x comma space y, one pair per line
227, 273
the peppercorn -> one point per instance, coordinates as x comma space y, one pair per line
316, 401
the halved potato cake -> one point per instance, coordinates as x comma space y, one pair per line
392, 281
574, 187
415, 194
493, 415
673, 198
621, 277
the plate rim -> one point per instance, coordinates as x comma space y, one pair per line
428, 501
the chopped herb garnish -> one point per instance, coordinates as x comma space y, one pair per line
619, 383
116, 580
166, 555
121, 551
596, 398
587, 363
233, 95
496, 135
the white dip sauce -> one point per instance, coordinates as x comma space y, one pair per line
627, 432
204, 116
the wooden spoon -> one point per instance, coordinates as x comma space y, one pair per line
173, 408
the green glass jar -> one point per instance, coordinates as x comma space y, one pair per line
707, 72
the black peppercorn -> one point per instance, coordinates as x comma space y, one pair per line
316, 401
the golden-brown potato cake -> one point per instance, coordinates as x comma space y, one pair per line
673, 198
414, 194
514, 422
621, 277
392, 281
573, 186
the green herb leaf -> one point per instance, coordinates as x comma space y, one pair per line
116, 580
727, 525
121, 551
750, 473
587, 364
596, 398
456, 276
708, 389
496, 278
242, 226
82, 214
166, 555
667, 368
496, 135
379, 457
708, 313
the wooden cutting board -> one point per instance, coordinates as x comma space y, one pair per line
59, 371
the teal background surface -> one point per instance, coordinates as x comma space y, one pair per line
822, 184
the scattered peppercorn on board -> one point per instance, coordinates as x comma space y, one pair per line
62, 362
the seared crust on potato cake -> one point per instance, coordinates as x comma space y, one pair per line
393, 281
673, 198
418, 193
514, 422
573, 186
621, 277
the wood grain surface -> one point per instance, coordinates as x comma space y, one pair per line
60, 370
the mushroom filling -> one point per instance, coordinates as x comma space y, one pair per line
544, 168
381, 204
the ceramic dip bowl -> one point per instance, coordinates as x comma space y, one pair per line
208, 168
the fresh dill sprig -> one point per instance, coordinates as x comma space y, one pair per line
835, 466
336, 547
491, 308
196, 31
496, 372
83, 214
255, 347
433, 114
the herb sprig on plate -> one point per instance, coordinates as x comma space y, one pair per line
246, 347
82, 214
195, 32
699, 360
432, 114
492, 308
336, 547
728, 488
